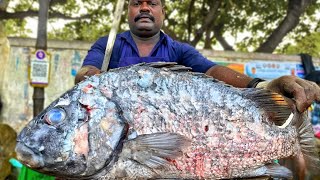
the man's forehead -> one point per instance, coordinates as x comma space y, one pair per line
158, 1
145, 0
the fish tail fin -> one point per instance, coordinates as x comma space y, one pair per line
278, 110
307, 144
307, 159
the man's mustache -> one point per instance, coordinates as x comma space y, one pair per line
143, 15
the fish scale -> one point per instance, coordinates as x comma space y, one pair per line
143, 122
183, 114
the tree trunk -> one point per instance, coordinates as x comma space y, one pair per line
38, 93
3, 5
294, 12
218, 35
208, 21
191, 5
207, 42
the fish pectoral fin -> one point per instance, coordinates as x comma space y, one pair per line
157, 149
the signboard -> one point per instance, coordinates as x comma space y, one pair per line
272, 69
239, 67
39, 69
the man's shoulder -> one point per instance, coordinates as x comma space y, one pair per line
180, 46
120, 36
175, 43
125, 34
168, 39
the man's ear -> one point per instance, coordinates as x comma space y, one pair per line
163, 12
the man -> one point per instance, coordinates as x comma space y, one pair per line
146, 43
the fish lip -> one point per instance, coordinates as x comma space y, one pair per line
28, 157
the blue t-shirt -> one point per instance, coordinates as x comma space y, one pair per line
125, 52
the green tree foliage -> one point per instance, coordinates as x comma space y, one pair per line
257, 25
309, 44
17, 28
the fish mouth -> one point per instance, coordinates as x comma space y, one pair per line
28, 157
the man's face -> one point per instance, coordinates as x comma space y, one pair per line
145, 17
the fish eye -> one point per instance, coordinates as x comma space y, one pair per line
55, 116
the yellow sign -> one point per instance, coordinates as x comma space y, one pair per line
39, 69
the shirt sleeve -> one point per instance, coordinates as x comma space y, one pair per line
192, 58
95, 55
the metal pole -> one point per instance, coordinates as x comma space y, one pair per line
38, 92
112, 34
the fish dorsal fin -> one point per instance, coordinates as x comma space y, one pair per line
179, 68
273, 104
160, 64
155, 150
172, 66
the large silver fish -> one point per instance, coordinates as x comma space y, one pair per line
149, 122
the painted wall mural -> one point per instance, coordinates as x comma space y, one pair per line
17, 92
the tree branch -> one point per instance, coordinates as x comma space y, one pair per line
32, 13
172, 34
218, 35
54, 2
208, 21
18, 15
294, 12
207, 42
190, 11
4, 4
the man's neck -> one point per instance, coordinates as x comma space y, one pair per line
146, 40
145, 45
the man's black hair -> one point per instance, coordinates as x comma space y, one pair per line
162, 2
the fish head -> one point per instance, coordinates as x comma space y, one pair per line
76, 136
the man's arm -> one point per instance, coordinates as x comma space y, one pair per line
300, 93
86, 71
93, 60
229, 76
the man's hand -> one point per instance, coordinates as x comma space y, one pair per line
301, 93
86, 71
